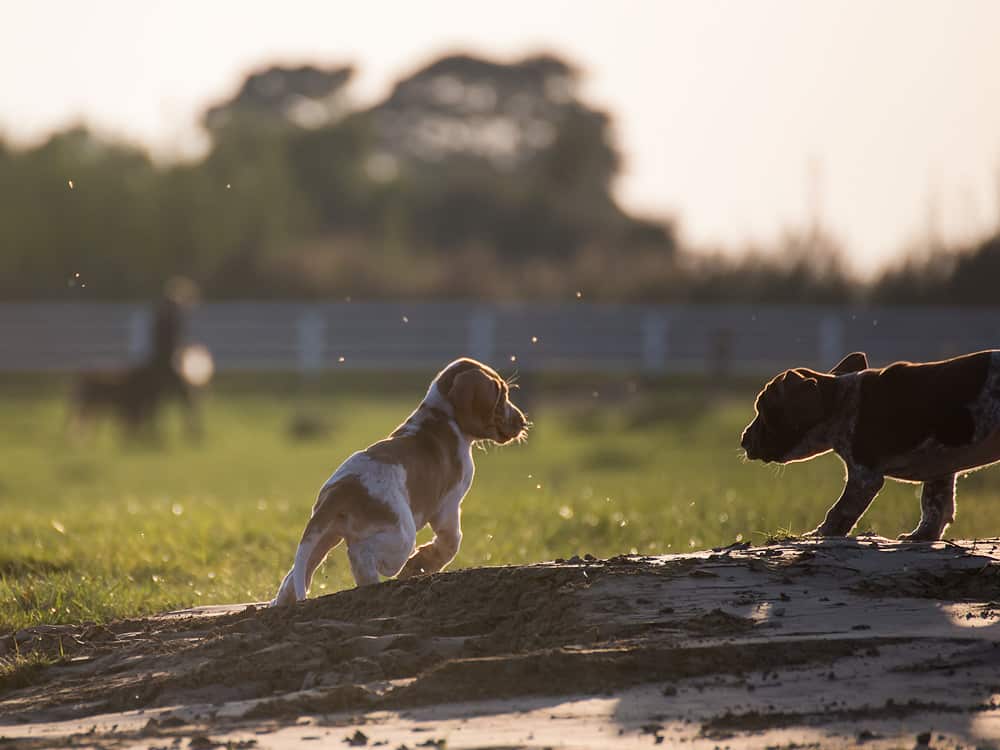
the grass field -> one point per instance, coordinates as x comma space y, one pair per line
92, 528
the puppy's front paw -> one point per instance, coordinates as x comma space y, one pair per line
826, 530
920, 535
414, 567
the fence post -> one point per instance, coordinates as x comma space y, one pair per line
482, 334
310, 330
831, 340
655, 329
138, 334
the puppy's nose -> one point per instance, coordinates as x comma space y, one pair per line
519, 420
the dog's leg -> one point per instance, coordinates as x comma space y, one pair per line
937, 510
441, 550
861, 488
364, 562
313, 548
286, 592
383, 552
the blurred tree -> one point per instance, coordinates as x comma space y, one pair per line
965, 276
76, 205
505, 155
306, 97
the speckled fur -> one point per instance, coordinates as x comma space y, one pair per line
931, 462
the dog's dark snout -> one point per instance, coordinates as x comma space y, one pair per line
519, 420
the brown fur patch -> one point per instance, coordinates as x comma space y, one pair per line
430, 457
905, 404
345, 501
475, 396
446, 378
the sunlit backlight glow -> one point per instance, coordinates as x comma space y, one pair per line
967, 616
196, 365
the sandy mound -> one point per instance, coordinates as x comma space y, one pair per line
859, 640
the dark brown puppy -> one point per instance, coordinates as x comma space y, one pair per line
915, 422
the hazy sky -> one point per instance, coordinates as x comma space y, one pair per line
734, 117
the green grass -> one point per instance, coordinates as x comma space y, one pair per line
92, 529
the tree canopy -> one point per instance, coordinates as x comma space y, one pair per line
472, 179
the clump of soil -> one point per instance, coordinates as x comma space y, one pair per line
577, 627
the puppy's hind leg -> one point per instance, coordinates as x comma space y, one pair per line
384, 552
310, 553
937, 510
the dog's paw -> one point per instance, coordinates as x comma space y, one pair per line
283, 598
919, 535
412, 568
417, 565
825, 530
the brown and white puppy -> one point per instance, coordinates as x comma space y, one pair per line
915, 422
380, 497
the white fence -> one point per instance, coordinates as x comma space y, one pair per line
397, 336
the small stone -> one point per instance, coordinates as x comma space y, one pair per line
357, 739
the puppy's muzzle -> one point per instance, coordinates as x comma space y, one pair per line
514, 427
750, 445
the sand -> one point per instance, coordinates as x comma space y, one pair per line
848, 642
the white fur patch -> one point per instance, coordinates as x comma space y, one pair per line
380, 549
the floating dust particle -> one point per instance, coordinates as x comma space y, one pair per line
513, 358
70, 182
58, 526
534, 339
340, 359
406, 319
579, 295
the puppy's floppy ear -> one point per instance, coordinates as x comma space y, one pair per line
802, 400
474, 395
853, 362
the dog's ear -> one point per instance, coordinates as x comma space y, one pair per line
853, 362
801, 398
474, 396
